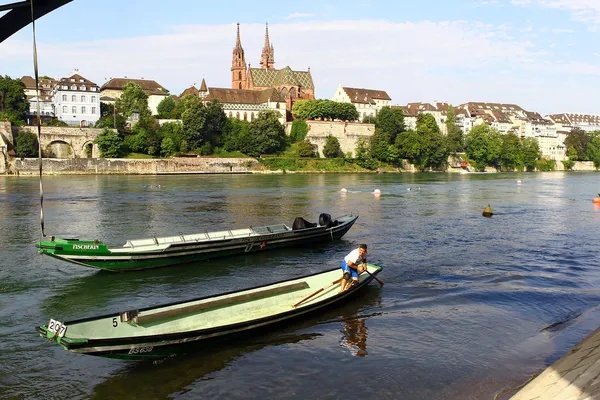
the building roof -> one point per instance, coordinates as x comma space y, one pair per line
29, 82
243, 96
79, 81
569, 119
407, 112
365, 96
282, 77
191, 90
150, 87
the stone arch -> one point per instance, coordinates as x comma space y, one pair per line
293, 93
230, 114
88, 149
240, 75
237, 115
245, 116
58, 149
284, 92
251, 117
83, 123
240, 85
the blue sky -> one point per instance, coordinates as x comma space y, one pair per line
541, 54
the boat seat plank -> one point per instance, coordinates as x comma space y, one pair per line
242, 297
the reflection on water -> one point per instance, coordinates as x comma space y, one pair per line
355, 335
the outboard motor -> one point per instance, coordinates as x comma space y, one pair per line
325, 220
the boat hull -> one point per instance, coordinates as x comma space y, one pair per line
158, 346
97, 255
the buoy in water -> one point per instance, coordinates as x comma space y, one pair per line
343, 190
596, 200
487, 212
377, 192
519, 182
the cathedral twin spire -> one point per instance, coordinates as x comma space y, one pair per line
267, 58
238, 63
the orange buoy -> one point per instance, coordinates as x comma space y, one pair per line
487, 212
596, 200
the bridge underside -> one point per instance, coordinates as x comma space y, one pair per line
19, 14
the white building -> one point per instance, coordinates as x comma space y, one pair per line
76, 100
246, 104
566, 122
45, 87
156, 93
368, 102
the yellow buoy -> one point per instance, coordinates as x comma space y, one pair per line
487, 212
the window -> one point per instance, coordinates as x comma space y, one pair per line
240, 76
65, 87
93, 89
82, 87
245, 116
93, 99
74, 109
74, 87
64, 109
252, 117
73, 98
81, 80
230, 114
64, 97
72, 80
240, 85
237, 115
83, 99
93, 110
83, 110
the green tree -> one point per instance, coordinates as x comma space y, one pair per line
133, 99
305, 149
138, 142
266, 135
215, 121
324, 109
578, 139
530, 152
362, 155
166, 108
55, 122
483, 146
332, 147
233, 130
14, 102
167, 147
511, 152
369, 119
455, 141
593, 149
109, 143
106, 109
193, 118
27, 144
173, 131
390, 121
299, 130
425, 147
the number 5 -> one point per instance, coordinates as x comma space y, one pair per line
115, 322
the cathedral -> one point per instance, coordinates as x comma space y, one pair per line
292, 85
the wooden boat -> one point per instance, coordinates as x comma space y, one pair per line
171, 250
156, 332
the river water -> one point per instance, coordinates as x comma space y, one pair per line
471, 306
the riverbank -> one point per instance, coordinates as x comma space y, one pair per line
208, 165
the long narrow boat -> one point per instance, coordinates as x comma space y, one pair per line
171, 250
160, 331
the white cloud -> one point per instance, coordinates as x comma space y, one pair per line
299, 15
414, 61
587, 11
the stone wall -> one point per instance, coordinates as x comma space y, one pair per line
176, 165
346, 133
71, 142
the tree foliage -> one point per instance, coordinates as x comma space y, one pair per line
332, 147
233, 130
27, 144
325, 110
455, 141
133, 99
109, 143
530, 153
166, 108
425, 147
593, 149
511, 152
305, 149
483, 146
299, 130
14, 101
578, 139
266, 135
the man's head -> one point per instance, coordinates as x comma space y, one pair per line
362, 249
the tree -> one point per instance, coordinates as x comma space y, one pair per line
14, 102
109, 143
173, 131
299, 130
305, 149
578, 139
332, 147
363, 155
166, 107
511, 152
455, 141
265, 136
530, 151
214, 123
27, 144
425, 147
167, 147
193, 118
106, 109
390, 121
593, 149
233, 130
483, 146
55, 122
133, 99
324, 109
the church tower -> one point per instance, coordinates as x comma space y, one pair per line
267, 58
238, 64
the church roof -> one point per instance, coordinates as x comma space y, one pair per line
281, 77
191, 90
243, 96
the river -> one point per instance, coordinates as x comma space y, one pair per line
471, 306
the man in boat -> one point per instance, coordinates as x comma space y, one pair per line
351, 268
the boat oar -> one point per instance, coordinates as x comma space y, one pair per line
317, 292
373, 276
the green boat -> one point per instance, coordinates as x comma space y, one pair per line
165, 251
164, 330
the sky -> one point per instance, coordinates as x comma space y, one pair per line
543, 55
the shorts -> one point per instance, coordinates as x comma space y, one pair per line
353, 272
